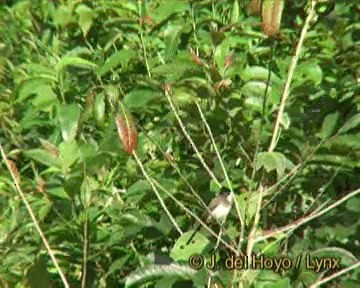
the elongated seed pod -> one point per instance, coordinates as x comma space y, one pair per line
127, 130
271, 16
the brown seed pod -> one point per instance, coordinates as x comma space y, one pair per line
271, 16
255, 7
127, 130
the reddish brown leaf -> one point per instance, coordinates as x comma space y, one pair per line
127, 130
271, 16
255, 7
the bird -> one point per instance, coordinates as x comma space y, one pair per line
219, 207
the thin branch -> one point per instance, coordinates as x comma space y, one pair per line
297, 223
177, 169
182, 206
292, 174
162, 203
190, 139
290, 76
251, 241
284, 97
334, 275
242, 223
143, 41
32, 215
85, 249
86, 232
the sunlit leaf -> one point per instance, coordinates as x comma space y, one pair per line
68, 117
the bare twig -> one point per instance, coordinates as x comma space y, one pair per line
162, 203
85, 249
334, 275
177, 169
167, 91
293, 64
182, 206
242, 222
86, 203
33, 217
297, 223
284, 97
143, 41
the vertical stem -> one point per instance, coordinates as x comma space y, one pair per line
293, 64
85, 249
285, 95
143, 41
162, 203
242, 223
190, 140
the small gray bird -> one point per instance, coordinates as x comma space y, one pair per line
219, 207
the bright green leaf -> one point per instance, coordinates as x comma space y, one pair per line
139, 98
182, 252
86, 16
271, 161
328, 125
69, 154
309, 71
68, 117
44, 157
121, 57
73, 61
351, 123
99, 108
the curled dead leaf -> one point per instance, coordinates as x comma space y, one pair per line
127, 130
271, 16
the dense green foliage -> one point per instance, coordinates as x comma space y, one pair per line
65, 67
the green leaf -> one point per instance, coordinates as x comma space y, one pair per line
45, 98
221, 52
351, 123
309, 71
179, 68
345, 141
248, 202
44, 157
182, 252
62, 16
353, 205
99, 108
271, 161
69, 154
68, 117
254, 89
86, 16
152, 272
31, 87
172, 41
137, 191
167, 8
285, 120
183, 96
58, 192
139, 98
121, 57
328, 125
235, 12
73, 61
258, 73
